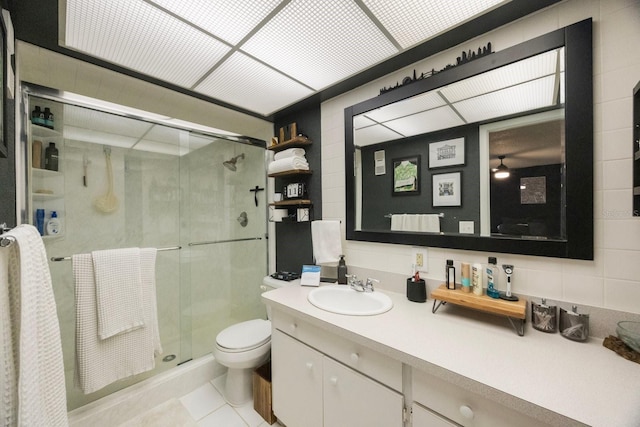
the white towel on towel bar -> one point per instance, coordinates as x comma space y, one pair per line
291, 152
33, 390
102, 362
118, 290
427, 223
326, 241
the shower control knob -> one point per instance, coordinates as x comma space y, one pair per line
354, 357
293, 327
466, 412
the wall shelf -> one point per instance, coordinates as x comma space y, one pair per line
292, 172
291, 203
298, 141
513, 310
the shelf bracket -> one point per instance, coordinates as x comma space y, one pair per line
518, 326
436, 307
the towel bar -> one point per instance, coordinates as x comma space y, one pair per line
5, 240
441, 215
68, 258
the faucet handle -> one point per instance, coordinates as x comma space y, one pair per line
368, 287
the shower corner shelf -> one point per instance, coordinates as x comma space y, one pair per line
298, 141
512, 310
290, 173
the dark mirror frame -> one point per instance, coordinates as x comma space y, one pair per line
577, 39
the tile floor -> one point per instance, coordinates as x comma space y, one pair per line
203, 407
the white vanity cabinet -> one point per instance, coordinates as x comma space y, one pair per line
439, 403
324, 380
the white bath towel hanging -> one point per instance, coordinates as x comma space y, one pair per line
326, 241
102, 362
118, 290
36, 393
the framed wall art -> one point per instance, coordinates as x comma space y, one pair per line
447, 189
446, 153
406, 176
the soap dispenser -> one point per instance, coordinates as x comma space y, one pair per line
53, 225
342, 271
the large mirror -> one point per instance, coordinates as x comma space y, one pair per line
495, 154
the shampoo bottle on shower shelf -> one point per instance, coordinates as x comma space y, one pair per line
51, 157
35, 115
451, 275
342, 271
48, 118
53, 225
40, 221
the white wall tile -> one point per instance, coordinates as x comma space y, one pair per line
588, 290
616, 143
617, 204
617, 174
622, 295
619, 264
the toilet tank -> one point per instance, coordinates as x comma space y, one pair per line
269, 283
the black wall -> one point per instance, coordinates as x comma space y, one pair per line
378, 200
7, 164
543, 219
293, 239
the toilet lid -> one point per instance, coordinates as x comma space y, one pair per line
245, 335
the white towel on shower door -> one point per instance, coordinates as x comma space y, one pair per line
118, 289
102, 362
38, 397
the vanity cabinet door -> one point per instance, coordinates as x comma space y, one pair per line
351, 399
296, 371
425, 418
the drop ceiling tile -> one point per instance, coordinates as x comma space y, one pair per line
136, 35
373, 134
86, 118
423, 102
231, 20
248, 84
307, 42
427, 121
411, 22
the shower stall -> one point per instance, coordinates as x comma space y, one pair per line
129, 180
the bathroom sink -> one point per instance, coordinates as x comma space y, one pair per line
341, 299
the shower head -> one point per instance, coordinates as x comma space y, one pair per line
231, 164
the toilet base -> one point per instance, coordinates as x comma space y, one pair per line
238, 386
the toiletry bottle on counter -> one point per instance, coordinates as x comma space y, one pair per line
466, 276
53, 225
476, 278
492, 288
51, 157
451, 275
342, 271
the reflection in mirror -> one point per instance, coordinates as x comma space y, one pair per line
436, 121
529, 107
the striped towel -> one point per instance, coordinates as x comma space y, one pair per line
118, 289
102, 362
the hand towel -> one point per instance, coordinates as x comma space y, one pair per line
287, 164
41, 395
101, 362
430, 223
291, 152
118, 286
8, 348
326, 241
397, 222
411, 222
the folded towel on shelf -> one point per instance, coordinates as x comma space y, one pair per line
118, 288
287, 164
291, 152
326, 241
34, 388
101, 362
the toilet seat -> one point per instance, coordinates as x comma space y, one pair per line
244, 336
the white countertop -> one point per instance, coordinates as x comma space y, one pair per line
582, 381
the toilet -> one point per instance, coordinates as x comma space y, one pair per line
244, 346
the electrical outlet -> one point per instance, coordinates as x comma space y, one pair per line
419, 259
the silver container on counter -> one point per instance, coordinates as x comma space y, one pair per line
573, 325
544, 317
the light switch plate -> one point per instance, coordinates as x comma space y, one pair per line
466, 227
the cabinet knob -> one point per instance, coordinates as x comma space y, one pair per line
309, 365
354, 357
466, 412
263, 288
334, 380
293, 327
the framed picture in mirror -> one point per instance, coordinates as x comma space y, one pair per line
446, 153
406, 176
447, 189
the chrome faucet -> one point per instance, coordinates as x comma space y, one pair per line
368, 287
355, 283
